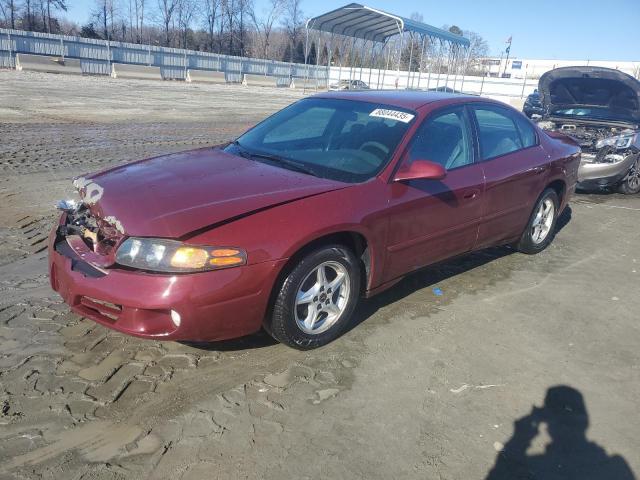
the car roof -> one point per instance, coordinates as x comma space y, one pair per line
411, 99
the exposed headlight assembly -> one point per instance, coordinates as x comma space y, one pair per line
620, 142
160, 255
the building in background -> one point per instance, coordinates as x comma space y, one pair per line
533, 68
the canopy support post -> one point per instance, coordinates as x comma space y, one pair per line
430, 68
371, 63
409, 76
400, 32
362, 58
306, 58
424, 39
384, 72
329, 57
353, 44
464, 68
318, 52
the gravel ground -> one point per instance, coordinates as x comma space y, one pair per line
426, 385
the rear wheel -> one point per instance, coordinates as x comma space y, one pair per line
315, 301
631, 183
541, 227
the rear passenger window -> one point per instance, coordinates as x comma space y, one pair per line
498, 133
527, 132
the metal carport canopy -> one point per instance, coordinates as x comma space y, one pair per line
359, 21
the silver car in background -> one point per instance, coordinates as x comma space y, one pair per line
349, 85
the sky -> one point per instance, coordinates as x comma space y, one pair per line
541, 29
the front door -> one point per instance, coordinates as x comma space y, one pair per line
431, 220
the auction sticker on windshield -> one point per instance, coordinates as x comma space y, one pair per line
403, 117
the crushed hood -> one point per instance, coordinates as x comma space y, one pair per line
174, 195
615, 94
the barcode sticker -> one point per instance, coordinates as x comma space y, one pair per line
403, 117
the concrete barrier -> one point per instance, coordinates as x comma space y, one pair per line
233, 77
283, 82
95, 67
143, 72
43, 63
205, 76
260, 80
309, 84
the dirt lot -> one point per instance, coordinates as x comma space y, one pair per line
427, 385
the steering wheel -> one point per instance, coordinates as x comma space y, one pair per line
376, 148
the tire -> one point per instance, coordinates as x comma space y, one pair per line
630, 184
541, 227
308, 312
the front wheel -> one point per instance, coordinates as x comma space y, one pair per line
541, 227
630, 184
315, 301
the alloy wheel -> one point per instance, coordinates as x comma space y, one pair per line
322, 297
543, 221
633, 177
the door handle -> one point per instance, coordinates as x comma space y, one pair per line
470, 195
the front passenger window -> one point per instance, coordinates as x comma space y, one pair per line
444, 139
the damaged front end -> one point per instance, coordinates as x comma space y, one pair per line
599, 109
609, 154
83, 236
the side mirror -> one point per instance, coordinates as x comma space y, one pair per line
421, 169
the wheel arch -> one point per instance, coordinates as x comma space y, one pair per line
351, 238
560, 187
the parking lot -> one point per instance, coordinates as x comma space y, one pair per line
428, 383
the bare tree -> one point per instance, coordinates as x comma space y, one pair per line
9, 10
104, 14
138, 11
292, 23
54, 5
478, 49
186, 10
210, 14
28, 14
167, 10
224, 5
264, 24
244, 9
230, 12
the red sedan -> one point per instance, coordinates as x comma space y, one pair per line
335, 197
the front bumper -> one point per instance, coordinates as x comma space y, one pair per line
214, 305
603, 174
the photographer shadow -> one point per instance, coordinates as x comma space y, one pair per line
569, 456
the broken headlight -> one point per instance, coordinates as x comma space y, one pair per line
160, 255
620, 142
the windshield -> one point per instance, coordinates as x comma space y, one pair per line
343, 140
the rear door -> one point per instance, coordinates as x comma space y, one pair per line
431, 220
515, 168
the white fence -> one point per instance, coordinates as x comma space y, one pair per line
390, 79
96, 57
